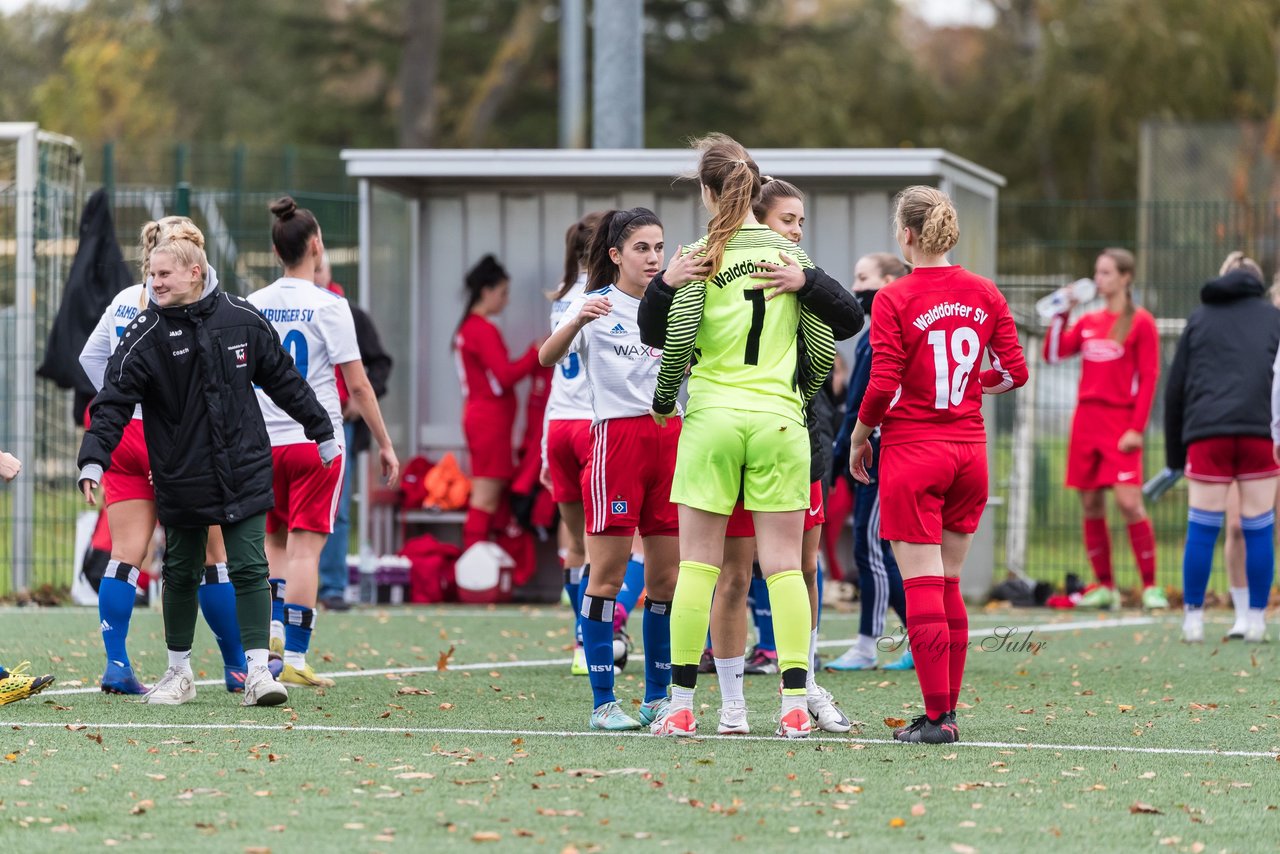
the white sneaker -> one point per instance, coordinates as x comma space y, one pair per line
262, 689
174, 688
1239, 627
825, 713
733, 721
1255, 629
1193, 626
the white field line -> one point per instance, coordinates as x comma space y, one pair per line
525, 733
1008, 632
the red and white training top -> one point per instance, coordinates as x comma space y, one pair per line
105, 337
484, 370
929, 332
316, 327
1113, 373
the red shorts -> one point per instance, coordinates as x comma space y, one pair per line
487, 428
741, 523
929, 487
628, 478
1093, 461
127, 479
1223, 459
306, 492
568, 452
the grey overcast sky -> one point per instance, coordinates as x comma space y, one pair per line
937, 12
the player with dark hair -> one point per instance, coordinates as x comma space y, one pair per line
488, 379
628, 478
317, 328
929, 331
1120, 349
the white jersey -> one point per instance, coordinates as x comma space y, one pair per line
106, 336
570, 398
317, 329
622, 371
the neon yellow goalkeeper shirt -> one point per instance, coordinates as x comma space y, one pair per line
743, 348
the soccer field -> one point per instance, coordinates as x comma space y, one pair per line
1079, 732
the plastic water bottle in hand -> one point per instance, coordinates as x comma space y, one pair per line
1160, 484
1079, 291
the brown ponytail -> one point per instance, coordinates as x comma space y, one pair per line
930, 214
729, 172
1125, 265
576, 242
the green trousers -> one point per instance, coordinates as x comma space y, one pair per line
246, 565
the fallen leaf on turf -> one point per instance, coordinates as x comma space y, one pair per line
1201, 707
62, 828
1197, 847
897, 822
258, 849
156, 776
442, 663
584, 772
917, 810
444, 707
486, 836
141, 807
353, 825
385, 715
1148, 775
415, 775
894, 723
1144, 809
73, 728
13, 757
1125, 708
963, 849
523, 833
409, 689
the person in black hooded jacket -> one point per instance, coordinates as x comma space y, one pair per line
1218, 424
191, 359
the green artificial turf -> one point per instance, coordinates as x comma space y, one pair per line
228, 778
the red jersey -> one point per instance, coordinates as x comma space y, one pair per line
483, 366
929, 331
1114, 373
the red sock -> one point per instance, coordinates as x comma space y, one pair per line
1143, 540
958, 629
476, 528
1097, 543
930, 641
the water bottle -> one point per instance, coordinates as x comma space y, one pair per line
1160, 484
1079, 291
368, 576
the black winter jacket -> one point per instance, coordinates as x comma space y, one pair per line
1220, 382
193, 368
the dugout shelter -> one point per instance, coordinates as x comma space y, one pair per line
427, 215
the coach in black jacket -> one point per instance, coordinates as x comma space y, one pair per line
192, 359
1220, 382
1218, 423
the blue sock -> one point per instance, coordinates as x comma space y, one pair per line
1197, 558
821, 578
116, 594
632, 585
597, 645
217, 597
657, 649
573, 587
762, 614
1259, 556
277, 599
298, 621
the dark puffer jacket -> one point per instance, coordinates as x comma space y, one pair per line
1220, 382
193, 368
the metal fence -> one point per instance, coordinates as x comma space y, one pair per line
226, 190
1179, 246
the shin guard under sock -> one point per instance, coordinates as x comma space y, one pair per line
958, 630
116, 595
690, 617
1259, 556
217, 597
597, 645
1142, 538
930, 641
657, 649
1097, 545
792, 616
1203, 527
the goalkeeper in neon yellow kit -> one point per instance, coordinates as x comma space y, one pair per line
744, 430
